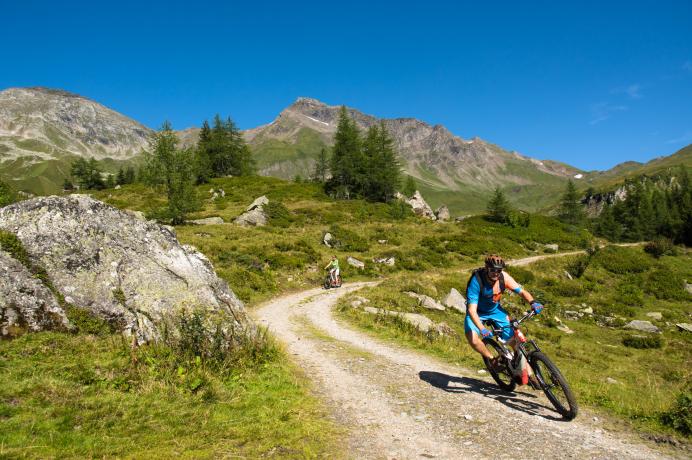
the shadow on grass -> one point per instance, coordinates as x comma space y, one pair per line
515, 400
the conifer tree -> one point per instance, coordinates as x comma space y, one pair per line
346, 155
120, 178
130, 175
382, 169
571, 210
173, 169
607, 226
498, 207
321, 169
87, 173
203, 160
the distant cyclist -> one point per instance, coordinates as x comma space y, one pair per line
483, 295
333, 267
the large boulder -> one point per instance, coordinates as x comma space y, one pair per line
455, 300
25, 303
420, 207
254, 215
132, 273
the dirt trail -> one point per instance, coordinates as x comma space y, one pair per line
400, 404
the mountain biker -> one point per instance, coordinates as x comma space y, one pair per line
333, 267
483, 294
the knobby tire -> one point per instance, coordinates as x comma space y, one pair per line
554, 385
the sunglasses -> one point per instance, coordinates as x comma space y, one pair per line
495, 270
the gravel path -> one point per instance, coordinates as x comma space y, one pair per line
399, 404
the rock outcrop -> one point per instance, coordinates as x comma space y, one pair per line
254, 215
420, 206
455, 300
426, 301
130, 272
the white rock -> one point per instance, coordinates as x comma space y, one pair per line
208, 221
657, 315
355, 262
258, 203
639, 325
455, 300
327, 239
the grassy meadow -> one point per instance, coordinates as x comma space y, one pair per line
89, 395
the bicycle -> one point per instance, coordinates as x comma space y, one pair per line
507, 369
330, 282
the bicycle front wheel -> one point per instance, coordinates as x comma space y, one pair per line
554, 385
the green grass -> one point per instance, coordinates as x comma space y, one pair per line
657, 367
86, 396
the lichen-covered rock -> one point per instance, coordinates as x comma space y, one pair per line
133, 273
254, 215
426, 301
25, 303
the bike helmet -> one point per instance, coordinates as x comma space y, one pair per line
495, 262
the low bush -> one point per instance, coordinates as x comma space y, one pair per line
629, 292
278, 215
347, 240
622, 260
660, 247
642, 341
679, 417
665, 284
577, 266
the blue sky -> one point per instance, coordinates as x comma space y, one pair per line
592, 84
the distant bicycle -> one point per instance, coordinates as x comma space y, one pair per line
508, 370
332, 282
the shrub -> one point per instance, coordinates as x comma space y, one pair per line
622, 260
642, 342
347, 240
578, 266
7, 195
679, 417
665, 284
659, 247
568, 288
11, 244
278, 214
629, 293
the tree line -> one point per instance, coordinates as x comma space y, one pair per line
360, 166
653, 207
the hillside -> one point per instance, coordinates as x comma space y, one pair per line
43, 130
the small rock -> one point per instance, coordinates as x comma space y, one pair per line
568, 275
208, 221
426, 301
688, 287
587, 310
362, 299
595, 419
390, 261
327, 239
382, 241
482, 371
468, 417
442, 213
468, 443
684, 327
655, 315
565, 329
639, 325
570, 314
445, 329
611, 381
552, 247
355, 262
356, 303
289, 279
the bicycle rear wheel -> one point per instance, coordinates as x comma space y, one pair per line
501, 373
554, 385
